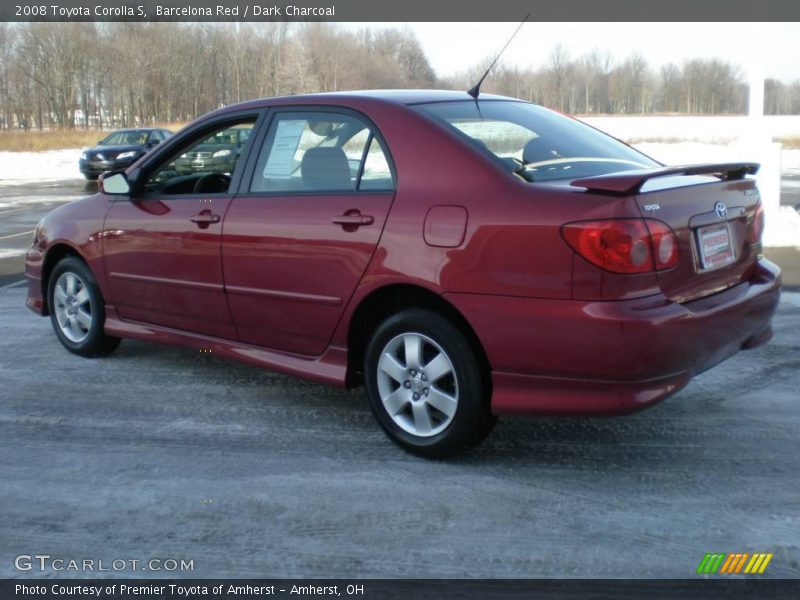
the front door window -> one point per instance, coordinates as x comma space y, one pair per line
204, 167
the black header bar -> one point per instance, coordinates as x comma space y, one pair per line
400, 11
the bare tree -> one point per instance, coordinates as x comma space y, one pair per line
113, 74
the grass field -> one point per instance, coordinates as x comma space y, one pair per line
36, 141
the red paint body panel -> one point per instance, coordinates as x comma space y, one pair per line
276, 284
629, 353
515, 394
330, 368
445, 226
290, 270
76, 226
686, 209
163, 268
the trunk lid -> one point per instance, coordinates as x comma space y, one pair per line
711, 221
710, 208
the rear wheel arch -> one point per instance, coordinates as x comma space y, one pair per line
389, 300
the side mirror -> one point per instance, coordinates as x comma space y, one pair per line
114, 183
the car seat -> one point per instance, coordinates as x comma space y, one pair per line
325, 169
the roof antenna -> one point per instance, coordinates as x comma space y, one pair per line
475, 91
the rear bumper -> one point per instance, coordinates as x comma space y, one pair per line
561, 357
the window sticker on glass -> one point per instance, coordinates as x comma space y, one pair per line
280, 163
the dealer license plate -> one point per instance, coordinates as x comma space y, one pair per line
715, 245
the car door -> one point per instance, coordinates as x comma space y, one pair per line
299, 236
162, 247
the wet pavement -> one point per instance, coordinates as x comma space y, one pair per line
158, 452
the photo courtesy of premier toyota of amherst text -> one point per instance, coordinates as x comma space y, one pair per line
354, 299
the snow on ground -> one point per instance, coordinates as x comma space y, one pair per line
30, 167
715, 130
686, 153
783, 222
790, 166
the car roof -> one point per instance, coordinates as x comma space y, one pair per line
136, 129
414, 96
407, 97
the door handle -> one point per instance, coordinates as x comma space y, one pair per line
205, 218
353, 219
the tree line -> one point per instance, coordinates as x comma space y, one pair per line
67, 75
597, 83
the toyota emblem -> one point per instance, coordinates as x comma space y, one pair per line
721, 210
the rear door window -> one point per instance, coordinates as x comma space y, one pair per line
320, 152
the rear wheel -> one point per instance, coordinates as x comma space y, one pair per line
426, 386
77, 309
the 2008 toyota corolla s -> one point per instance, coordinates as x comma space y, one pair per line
462, 258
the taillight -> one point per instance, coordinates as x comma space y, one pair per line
624, 245
756, 229
665, 245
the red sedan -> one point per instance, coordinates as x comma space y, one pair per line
461, 258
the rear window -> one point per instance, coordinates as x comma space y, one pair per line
536, 143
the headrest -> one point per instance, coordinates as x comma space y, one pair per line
537, 150
326, 168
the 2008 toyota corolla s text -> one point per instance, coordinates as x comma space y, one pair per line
461, 258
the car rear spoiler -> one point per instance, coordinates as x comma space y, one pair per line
629, 182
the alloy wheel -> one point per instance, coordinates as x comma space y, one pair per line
73, 307
417, 384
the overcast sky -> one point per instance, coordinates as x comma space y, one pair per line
452, 47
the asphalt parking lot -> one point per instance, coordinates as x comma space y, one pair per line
21, 207
156, 452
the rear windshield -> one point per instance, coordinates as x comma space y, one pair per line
536, 143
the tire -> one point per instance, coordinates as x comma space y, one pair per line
434, 406
77, 309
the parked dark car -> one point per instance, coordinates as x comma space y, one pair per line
120, 150
217, 154
461, 258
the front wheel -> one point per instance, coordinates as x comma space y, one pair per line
77, 309
426, 385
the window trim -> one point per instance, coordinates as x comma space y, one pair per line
381, 145
274, 112
363, 162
